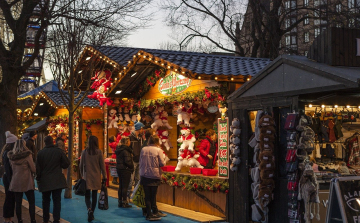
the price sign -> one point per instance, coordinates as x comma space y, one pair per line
223, 142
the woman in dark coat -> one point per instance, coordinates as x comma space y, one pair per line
91, 167
124, 167
208, 150
9, 203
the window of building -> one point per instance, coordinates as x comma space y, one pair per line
351, 23
316, 3
351, 3
338, 8
339, 25
293, 40
317, 32
306, 20
287, 23
287, 5
293, 4
306, 53
306, 2
307, 37
287, 40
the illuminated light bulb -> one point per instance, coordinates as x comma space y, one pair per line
100, 57
310, 105
183, 72
347, 106
124, 68
162, 64
323, 106
134, 56
175, 69
156, 61
88, 58
216, 78
138, 53
199, 77
248, 79
168, 67
232, 78
335, 106
144, 56
115, 78
150, 59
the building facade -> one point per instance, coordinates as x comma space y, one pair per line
310, 17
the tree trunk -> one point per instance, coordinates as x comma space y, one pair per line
68, 191
8, 103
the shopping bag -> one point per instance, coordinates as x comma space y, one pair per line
139, 198
103, 203
135, 189
80, 187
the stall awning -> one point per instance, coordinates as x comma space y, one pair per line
49, 86
295, 75
37, 126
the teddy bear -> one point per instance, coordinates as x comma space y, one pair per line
164, 138
192, 160
126, 114
182, 159
235, 149
112, 119
119, 113
165, 157
101, 85
234, 140
133, 116
235, 127
164, 118
187, 139
184, 114
157, 122
235, 161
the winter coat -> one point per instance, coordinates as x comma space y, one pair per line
151, 159
204, 150
7, 168
50, 162
136, 144
30, 144
91, 168
124, 158
60, 144
23, 168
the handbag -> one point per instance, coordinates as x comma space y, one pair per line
291, 122
139, 198
103, 203
135, 189
80, 187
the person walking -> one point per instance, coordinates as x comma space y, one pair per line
208, 150
30, 144
91, 167
51, 160
22, 181
151, 159
9, 203
136, 139
124, 167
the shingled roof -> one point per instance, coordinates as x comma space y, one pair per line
200, 63
57, 99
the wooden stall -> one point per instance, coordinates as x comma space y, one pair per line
174, 92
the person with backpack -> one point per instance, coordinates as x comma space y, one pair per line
9, 203
91, 167
51, 161
208, 150
22, 181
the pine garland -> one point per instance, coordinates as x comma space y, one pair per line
149, 82
191, 183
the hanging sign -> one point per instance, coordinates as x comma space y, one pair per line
223, 142
358, 47
173, 84
344, 200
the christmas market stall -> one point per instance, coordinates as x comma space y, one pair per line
182, 97
300, 128
88, 119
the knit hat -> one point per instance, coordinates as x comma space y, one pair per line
138, 126
25, 136
10, 138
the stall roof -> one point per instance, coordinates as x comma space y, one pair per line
57, 99
200, 63
295, 75
49, 86
37, 126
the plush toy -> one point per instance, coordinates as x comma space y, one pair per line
175, 110
126, 114
235, 127
187, 139
134, 116
184, 114
164, 118
235, 149
112, 119
192, 160
235, 161
112, 145
234, 140
166, 158
157, 122
101, 85
182, 159
164, 138
119, 113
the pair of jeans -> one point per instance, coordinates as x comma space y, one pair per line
150, 200
56, 196
135, 177
30, 195
9, 203
91, 204
124, 178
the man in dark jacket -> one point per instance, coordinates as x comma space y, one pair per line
50, 162
136, 139
30, 144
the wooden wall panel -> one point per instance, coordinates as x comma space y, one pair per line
165, 194
97, 130
61, 111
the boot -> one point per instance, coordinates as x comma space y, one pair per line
120, 203
125, 204
115, 182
